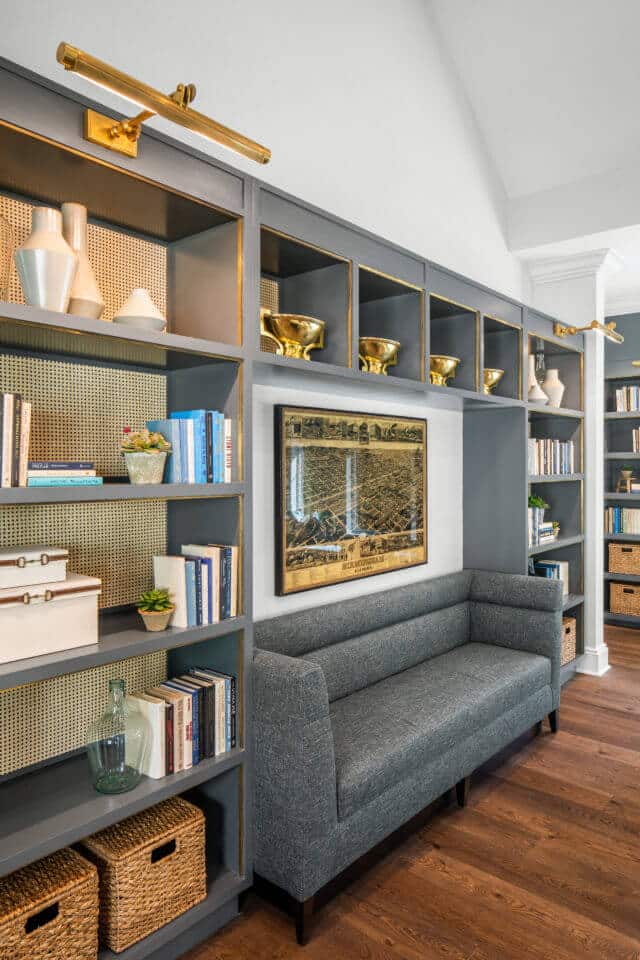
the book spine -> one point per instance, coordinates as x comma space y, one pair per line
209, 448
228, 450
7, 445
233, 711
15, 440
190, 574
25, 436
64, 481
170, 735
227, 712
225, 572
221, 453
197, 564
60, 465
195, 729
37, 474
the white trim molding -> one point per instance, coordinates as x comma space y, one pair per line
574, 266
619, 306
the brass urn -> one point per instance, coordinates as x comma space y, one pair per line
294, 334
490, 379
442, 369
378, 353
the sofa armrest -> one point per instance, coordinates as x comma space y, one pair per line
295, 774
521, 612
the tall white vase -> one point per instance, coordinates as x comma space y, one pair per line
46, 263
553, 387
85, 299
535, 393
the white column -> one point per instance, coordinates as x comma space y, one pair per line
572, 289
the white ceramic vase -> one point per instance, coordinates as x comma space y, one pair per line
139, 310
46, 263
535, 392
553, 387
85, 299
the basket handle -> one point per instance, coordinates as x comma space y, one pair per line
163, 851
628, 590
42, 917
626, 549
568, 628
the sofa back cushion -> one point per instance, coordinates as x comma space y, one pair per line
296, 634
363, 660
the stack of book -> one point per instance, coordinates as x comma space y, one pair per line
202, 583
622, 520
191, 718
550, 457
635, 439
627, 399
62, 473
15, 431
539, 531
201, 446
552, 570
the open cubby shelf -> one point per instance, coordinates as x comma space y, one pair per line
454, 331
569, 364
394, 310
502, 350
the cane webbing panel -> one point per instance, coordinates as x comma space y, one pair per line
78, 410
120, 262
113, 540
269, 300
42, 720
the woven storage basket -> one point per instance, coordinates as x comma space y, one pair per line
568, 640
151, 868
624, 598
624, 558
49, 910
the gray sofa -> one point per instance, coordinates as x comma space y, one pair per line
368, 710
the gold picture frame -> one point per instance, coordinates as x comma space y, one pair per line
351, 496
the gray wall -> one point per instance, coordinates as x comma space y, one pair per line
618, 356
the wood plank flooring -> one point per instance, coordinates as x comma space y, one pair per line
543, 864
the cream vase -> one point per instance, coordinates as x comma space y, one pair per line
46, 263
535, 392
85, 299
553, 387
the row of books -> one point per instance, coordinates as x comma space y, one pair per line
201, 446
550, 457
15, 432
191, 718
552, 570
635, 439
540, 531
627, 399
202, 583
62, 473
621, 520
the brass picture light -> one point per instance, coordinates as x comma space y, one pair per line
122, 135
609, 330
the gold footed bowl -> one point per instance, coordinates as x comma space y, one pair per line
442, 369
491, 378
378, 353
294, 334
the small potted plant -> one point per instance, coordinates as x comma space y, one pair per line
156, 609
145, 455
538, 503
556, 528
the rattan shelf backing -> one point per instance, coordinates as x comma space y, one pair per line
39, 721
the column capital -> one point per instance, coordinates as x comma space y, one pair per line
574, 266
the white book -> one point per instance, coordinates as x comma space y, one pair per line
169, 574
564, 576
187, 725
213, 553
60, 473
154, 762
7, 439
174, 698
25, 434
228, 450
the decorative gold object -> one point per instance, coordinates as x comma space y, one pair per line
294, 334
123, 135
442, 369
625, 480
609, 330
491, 378
378, 353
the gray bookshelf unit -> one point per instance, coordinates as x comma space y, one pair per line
230, 243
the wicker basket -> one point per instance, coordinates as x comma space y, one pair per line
624, 598
568, 640
624, 558
50, 910
151, 868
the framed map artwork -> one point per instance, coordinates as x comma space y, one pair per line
351, 496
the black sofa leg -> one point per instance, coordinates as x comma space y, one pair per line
554, 721
304, 921
462, 791
538, 728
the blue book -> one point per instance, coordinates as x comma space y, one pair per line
229, 704
170, 430
199, 440
225, 583
190, 575
195, 715
64, 481
197, 562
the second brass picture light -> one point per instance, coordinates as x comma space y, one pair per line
123, 135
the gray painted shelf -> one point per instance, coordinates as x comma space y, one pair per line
572, 600
119, 491
616, 455
555, 478
632, 537
623, 577
56, 805
622, 496
621, 619
555, 544
623, 415
555, 411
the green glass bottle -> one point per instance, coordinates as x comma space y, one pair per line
117, 744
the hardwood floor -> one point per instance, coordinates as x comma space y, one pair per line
542, 864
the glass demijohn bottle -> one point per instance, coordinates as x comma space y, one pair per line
117, 744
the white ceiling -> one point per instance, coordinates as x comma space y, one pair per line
554, 85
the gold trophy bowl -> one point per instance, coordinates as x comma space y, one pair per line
491, 378
377, 353
294, 334
442, 369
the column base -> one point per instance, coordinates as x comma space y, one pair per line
594, 662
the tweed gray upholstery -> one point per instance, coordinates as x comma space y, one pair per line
361, 661
379, 708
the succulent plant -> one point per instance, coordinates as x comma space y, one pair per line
142, 441
536, 501
155, 601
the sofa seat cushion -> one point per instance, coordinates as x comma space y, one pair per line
384, 733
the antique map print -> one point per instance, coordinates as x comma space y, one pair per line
352, 496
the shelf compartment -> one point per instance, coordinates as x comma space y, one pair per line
502, 343
565, 504
393, 309
563, 428
455, 332
56, 805
299, 278
569, 364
